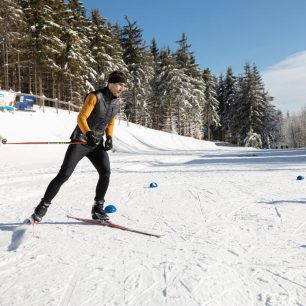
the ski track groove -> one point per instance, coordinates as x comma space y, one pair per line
298, 228
69, 290
286, 279
251, 294
190, 291
199, 204
165, 282
134, 281
278, 214
141, 293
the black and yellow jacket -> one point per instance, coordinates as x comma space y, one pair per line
97, 115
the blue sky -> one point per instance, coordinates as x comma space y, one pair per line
221, 33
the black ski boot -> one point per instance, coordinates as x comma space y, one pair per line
40, 211
98, 213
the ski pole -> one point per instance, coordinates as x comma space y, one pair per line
4, 141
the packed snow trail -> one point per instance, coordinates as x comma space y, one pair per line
233, 218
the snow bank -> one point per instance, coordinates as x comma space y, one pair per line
57, 126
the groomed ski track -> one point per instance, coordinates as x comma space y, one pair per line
234, 221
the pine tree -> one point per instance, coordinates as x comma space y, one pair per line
183, 54
252, 106
228, 109
241, 118
271, 129
192, 99
171, 87
221, 98
37, 25
140, 67
105, 50
77, 52
11, 25
211, 118
158, 110
197, 100
44, 24
153, 101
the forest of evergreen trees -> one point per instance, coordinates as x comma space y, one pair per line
53, 48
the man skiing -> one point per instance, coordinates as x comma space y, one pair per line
96, 117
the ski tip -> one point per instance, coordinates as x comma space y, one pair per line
30, 221
27, 221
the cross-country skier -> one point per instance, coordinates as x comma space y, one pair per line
96, 118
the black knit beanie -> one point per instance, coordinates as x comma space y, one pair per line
117, 77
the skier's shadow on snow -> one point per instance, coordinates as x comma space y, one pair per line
18, 233
19, 230
10, 227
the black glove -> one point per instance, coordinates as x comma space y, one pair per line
108, 145
91, 139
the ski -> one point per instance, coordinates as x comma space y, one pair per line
30, 221
114, 225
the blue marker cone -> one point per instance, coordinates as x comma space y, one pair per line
153, 185
110, 209
300, 177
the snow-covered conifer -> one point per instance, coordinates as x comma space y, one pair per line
211, 118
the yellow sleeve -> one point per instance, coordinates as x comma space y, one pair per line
110, 128
85, 111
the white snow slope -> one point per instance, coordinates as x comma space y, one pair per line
233, 221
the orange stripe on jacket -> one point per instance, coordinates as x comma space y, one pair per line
85, 112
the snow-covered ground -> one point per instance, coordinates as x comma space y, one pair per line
233, 221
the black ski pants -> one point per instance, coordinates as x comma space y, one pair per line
97, 156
